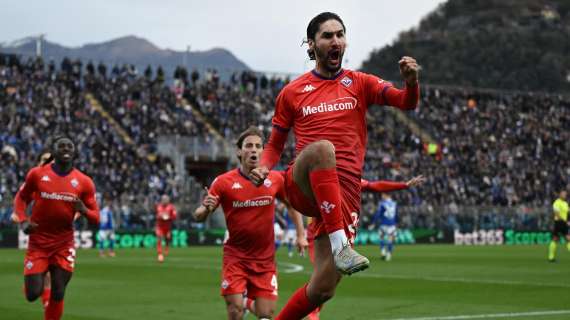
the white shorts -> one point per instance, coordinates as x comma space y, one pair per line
278, 230
105, 235
290, 235
387, 230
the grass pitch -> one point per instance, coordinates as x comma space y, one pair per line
421, 282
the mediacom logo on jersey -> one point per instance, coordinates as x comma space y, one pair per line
340, 104
57, 196
255, 202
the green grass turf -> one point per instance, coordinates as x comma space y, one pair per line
420, 281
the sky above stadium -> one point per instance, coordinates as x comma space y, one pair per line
264, 34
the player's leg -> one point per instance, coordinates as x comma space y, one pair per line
46, 295
552, 248
233, 287
391, 239
36, 265
325, 278
262, 287
111, 243
33, 286
315, 314
59, 280
159, 236
315, 174
264, 308
566, 234
248, 305
234, 306
554, 242
102, 238
321, 286
381, 236
167, 240
159, 249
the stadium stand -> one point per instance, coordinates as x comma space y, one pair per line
496, 157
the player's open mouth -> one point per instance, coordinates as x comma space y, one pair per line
66, 156
253, 158
334, 56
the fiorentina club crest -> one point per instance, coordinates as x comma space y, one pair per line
346, 81
74, 183
267, 183
29, 265
225, 284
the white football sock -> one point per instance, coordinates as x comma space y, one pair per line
338, 240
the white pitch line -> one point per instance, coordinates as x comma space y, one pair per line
494, 315
291, 267
464, 280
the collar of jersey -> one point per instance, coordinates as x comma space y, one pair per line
318, 75
243, 175
52, 166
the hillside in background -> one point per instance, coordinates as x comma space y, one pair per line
132, 50
503, 44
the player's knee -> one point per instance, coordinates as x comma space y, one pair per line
323, 294
57, 294
235, 311
323, 153
32, 294
265, 312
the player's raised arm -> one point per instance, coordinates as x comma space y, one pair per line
274, 147
282, 122
382, 185
406, 99
209, 204
388, 186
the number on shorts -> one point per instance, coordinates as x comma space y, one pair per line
71, 257
274, 282
352, 227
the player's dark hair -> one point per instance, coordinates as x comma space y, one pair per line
55, 140
315, 25
58, 137
251, 131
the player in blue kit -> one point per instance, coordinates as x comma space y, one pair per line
387, 218
106, 229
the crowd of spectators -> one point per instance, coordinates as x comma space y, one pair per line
497, 160
37, 102
502, 149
